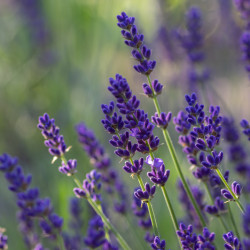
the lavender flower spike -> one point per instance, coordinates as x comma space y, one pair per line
246, 128
3, 240
70, 168
53, 140
158, 174
158, 244
205, 241
91, 187
232, 242
146, 195
135, 40
187, 237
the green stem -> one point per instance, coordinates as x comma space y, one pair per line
236, 199
218, 216
135, 234
170, 208
171, 211
233, 221
99, 211
149, 205
223, 224
105, 227
173, 154
61, 243
150, 209
106, 221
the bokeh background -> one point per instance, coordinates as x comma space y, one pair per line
57, 56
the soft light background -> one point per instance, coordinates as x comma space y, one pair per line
60, 61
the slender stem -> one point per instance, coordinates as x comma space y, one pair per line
170, 208
208, 192
135, 234
223, 224
236, 199
212, 200
105, 227
173, 154
149, 205
233, 221
61, 242
150, 209
106, 221
178, 168
99, 211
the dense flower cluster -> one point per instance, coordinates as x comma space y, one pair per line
101, 161
28, 199
91, 187
232, 242
190, 240
95, 235
132, 134
135, 40
53, 140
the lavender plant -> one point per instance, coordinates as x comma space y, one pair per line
3, 239
136, 144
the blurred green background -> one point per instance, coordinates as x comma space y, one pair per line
59, 62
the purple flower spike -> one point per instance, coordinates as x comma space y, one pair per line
243, 7
205, 240
79, 193
159, 175
157, 87
134, 169
108, 109
158, 244
95, 234
135, 40
218, 207
113, 123
156, 163
147, 90
212, 161
120, 88
245, 124
232, 242
236, 188
7, 163
146, 195
226, 194
53, 140
187, 237
3, 240
91, 187
70, 168
140, 210
181, 124
163, 120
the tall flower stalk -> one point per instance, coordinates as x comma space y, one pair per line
138, 123
90, 189
142, 54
